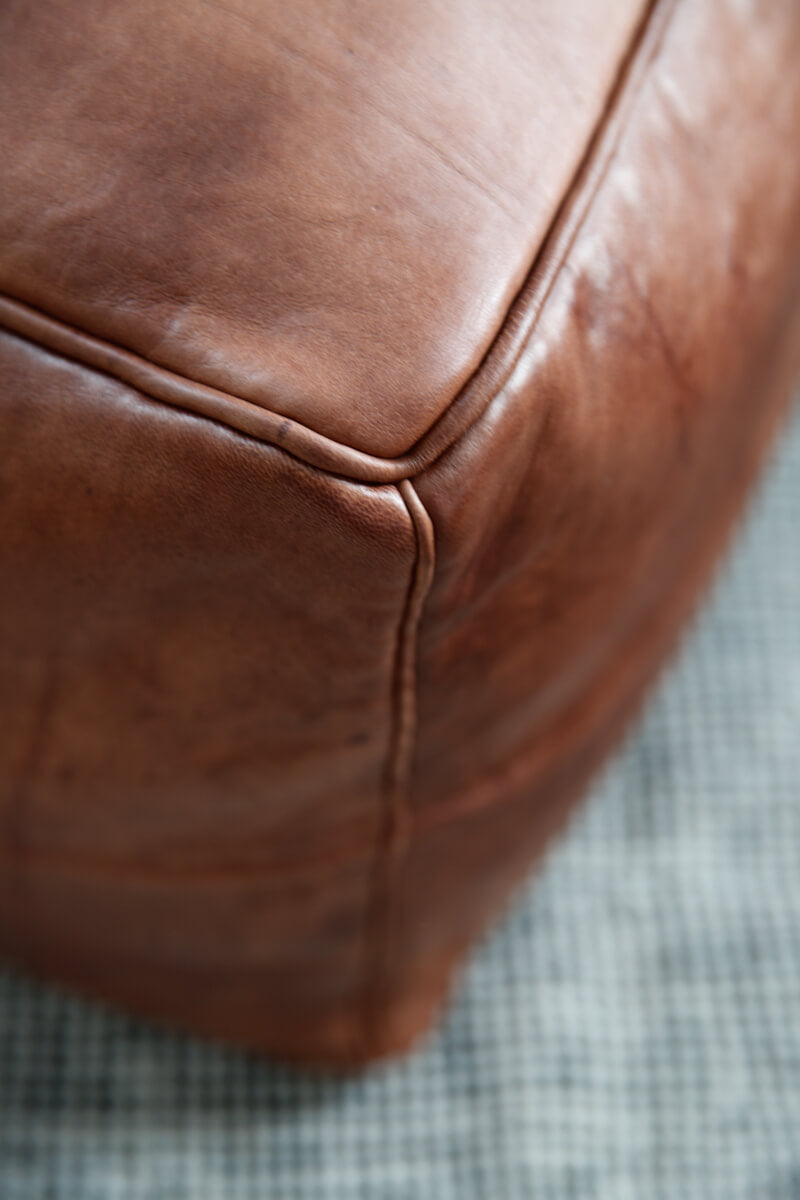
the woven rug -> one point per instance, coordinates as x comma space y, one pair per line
632, 1032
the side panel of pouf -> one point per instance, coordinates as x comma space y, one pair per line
199, 640
576, 522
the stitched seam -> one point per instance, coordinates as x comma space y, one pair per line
573, 211
318, 450
396, 818
209, 401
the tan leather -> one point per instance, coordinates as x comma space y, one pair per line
325, 209
379, 385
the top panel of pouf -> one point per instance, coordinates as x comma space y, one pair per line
322, 207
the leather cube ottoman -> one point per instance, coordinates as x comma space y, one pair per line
379, 384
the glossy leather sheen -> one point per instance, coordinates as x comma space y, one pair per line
379, 386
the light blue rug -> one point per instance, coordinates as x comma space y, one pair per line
632, 1033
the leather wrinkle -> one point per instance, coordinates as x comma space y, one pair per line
317, 450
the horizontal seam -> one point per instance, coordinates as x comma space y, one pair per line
314, 448
167, 387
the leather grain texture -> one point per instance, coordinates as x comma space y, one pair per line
378, 392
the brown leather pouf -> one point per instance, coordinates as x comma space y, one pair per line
379, 383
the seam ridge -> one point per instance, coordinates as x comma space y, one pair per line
168, 387
397, 817
501, 358
472, 400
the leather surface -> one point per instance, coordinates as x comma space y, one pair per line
288, 711
324, 208
184, 618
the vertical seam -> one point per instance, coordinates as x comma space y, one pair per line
396, 816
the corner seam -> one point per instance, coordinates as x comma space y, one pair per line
396, 817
